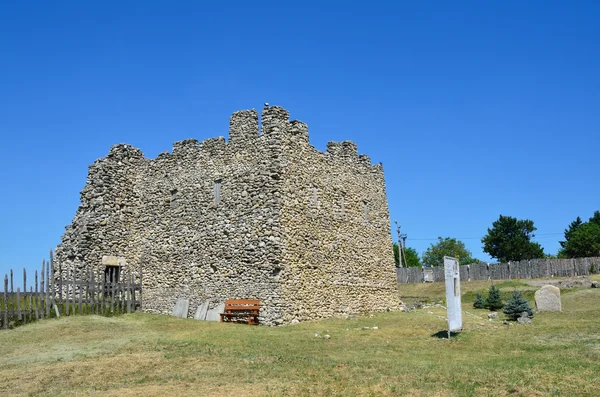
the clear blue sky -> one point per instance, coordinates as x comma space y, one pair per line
475, 108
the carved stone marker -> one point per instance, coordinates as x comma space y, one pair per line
547, 298
181, 308
452, 276
212, 314
201, 311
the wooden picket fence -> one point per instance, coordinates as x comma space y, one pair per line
79, 293
526, 269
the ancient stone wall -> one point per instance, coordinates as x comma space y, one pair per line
337, 255
263, 216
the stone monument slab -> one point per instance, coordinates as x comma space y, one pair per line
212, 314
201, 311
181, 308
547, 298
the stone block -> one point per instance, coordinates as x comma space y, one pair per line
212, 314
181, 308
547, 298
201, 311
111, 260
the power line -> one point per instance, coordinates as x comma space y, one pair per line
478, 238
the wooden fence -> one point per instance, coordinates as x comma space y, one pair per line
527, 269
83, 292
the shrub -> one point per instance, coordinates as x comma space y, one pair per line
479, 303
517, 305
494, 300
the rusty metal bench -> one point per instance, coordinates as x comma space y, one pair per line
241, 311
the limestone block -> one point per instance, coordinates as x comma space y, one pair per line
212, 314
201, 311
181, 308
547, 298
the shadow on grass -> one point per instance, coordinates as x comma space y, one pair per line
443, 334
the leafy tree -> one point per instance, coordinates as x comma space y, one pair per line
412, 257
509, 239
479, 303
434, 256
517, 305
494, 300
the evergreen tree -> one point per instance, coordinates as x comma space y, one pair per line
479, 303
517, 305
494, 300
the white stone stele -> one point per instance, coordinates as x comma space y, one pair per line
181, 308
201, 311
547, 299
453, 303
213, 314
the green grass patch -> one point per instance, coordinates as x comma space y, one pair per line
406, 355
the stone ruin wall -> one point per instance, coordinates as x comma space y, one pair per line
264, 239
336, 226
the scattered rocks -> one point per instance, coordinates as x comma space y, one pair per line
595, 284
492, 315
524, 319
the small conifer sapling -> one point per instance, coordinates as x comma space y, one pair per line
517, 305
494, 300
479, 303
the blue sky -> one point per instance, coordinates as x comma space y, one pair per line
475, 108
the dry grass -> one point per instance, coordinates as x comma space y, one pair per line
147, 355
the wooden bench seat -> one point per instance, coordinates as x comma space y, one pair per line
241, 311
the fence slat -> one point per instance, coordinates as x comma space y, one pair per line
37, 314
12, 298
19, 316
42, 304
30, 303
5, 302
80, 290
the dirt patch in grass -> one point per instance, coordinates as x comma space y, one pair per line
573, 282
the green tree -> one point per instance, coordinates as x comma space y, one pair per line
517, 305
569, 232
434, 256
582, 239
494, 299
509, 239
412, 257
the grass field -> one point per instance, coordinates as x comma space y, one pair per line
141, 354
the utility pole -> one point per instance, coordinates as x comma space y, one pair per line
401, 246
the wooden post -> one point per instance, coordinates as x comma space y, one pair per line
12, 298
5, 302
37, 314
73, 301
47, 295
42, 303
25, 290
112, 293
141, 286
19, 316
80, 291
52, 282
129, 292
91, 292
101, 289
60, 286
66, 292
